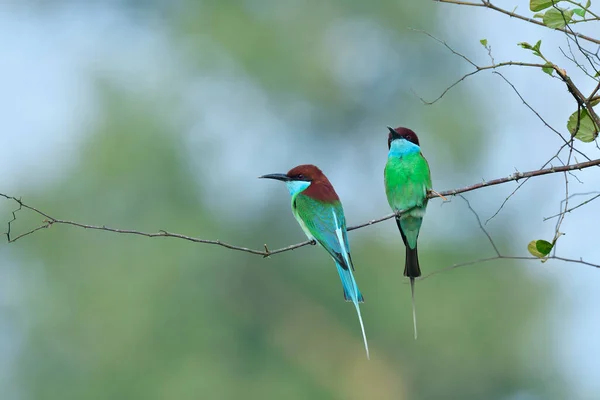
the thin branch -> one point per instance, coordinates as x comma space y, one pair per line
488, 259
580, 5
581, 100
591, 98
488, 4
481, 226
445, 45
565, 141
533, 110
574, 60
478, 69
49, 221
586, 53
573, 208
579, 97
499, 255
525, 181
557, 232
580, 261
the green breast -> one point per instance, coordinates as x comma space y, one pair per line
407, 180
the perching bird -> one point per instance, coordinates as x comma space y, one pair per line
407, 180
319, 212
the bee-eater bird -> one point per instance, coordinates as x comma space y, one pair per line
318, 210
407, 180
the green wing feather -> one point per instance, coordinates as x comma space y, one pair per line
317, 220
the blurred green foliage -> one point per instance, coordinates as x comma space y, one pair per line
125, 317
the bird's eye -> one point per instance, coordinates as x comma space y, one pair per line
300, 176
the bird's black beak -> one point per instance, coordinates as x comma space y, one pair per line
279, 177
392, 130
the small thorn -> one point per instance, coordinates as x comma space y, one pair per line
437, 194
267, 251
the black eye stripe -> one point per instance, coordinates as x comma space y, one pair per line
299, 177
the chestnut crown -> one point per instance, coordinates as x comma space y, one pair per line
305, 172
402, 133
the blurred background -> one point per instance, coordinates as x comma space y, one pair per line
156, 115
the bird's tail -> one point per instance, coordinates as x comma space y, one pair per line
412, 294
351, 293
411, 264
412, 270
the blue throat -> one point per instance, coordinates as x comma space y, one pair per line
402, 147
296, 187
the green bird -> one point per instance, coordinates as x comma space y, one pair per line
319, 212
407, 181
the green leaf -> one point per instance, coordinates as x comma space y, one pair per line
543, 246
536, 48
588, 4
548, 68
525, 45
538, 15
579, 12
539, 248
483, 42
557, 18
539, 5
588, 130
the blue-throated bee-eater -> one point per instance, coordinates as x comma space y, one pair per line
407, 181
318, 210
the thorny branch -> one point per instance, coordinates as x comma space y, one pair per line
49, 220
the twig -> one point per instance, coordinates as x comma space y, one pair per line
481, 226
488, 259
445, 44
478, 69
579, 97
572, 208
499, 255
557, 233
488, 4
